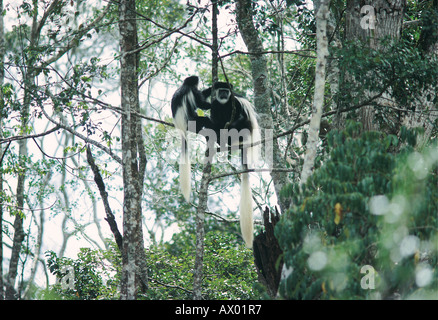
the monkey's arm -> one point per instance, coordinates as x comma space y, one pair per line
203, 123
240, 123
201, 101
206, 92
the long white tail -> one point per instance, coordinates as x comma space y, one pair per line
251, 157
246, 220
185, 175
185, 183
253, 153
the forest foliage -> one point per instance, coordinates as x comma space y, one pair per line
365, 206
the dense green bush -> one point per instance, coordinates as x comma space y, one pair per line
229, 271
365, 224
89, 277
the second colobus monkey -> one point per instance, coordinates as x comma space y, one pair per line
184, 103
237, 116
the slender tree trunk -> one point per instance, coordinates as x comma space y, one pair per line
318, 98
104, 195
39, 237
134, 271
333, 72
206, 173
19, 234
214, 45
11, 294
200, 231
259, 70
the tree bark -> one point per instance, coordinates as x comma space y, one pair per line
318, 98
104, 195
372, 21
134, 271
259, 70
19, 234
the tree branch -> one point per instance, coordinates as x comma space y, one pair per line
106, 105
325, 114
86, 139
296, 52
177, 30
82, 30
218, 176
170, 285
17, 138
101, 186
168, 33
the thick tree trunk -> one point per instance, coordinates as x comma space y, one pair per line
134, 271
372, 21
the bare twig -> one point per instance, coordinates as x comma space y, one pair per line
167, 34
295, 52
170, 285
75, 41
30, 136
218, 176
86, 139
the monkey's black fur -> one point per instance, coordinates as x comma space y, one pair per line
187, 99
184, 103
227, 111
231, 111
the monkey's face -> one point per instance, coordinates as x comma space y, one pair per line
223, 95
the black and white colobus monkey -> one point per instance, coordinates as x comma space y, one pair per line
237, 116
184, 103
